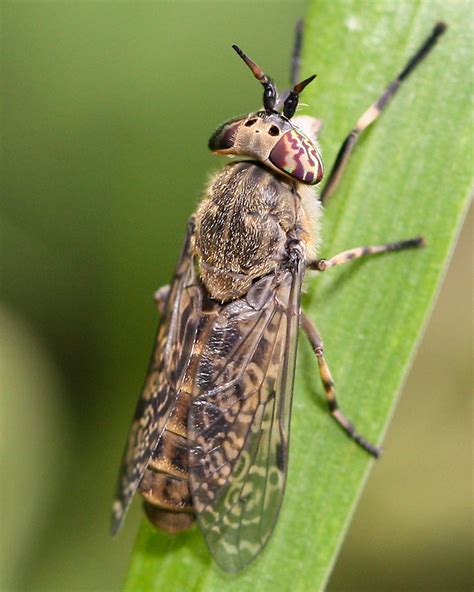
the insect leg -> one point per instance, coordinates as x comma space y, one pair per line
351, 254
373, 112
328, 384
160, 297
296, 55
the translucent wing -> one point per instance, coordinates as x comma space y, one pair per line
239, 421
169, 360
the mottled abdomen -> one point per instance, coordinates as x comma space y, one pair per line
165, 485
241, 227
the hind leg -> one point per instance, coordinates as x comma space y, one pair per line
328, 384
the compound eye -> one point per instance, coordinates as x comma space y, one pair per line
298, 157
224, 137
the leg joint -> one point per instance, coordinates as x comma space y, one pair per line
319, 351
318, 265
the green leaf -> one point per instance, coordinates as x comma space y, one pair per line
409, 176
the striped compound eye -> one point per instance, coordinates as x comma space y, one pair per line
298, 157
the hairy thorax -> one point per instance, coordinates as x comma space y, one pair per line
242, 227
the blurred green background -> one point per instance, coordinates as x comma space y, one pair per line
106, 112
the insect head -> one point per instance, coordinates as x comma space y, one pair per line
269, 136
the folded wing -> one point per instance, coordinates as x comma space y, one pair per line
168, 363
239, 420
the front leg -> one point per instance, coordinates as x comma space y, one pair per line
356, 253
160, 297
374, 112
328, 384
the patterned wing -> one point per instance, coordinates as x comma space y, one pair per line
239, 420
168, 363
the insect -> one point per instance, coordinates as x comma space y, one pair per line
209, 438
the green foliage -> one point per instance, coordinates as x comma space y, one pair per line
409, 176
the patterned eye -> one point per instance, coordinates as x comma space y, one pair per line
223, 138
298, 157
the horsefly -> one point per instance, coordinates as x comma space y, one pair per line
209, 438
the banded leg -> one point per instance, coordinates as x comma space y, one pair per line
328, 384
374, 111
356, 253
160, 297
